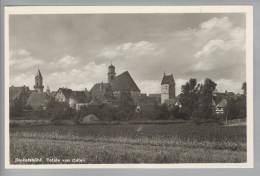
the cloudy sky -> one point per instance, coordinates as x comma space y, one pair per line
74, 51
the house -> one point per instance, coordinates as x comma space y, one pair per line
72, 97
220, 107
79, 99
167, 88
63, 95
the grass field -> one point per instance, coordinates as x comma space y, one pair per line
173, 143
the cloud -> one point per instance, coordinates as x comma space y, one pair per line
150, 86
227, 84
210, 47
22, 59
218, 44
67, 60
219, 23
78, 78
137, 49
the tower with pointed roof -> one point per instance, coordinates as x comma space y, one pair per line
167, 88
111, 73
38, 82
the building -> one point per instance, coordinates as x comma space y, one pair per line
101, 93
38, 100
167, 88
63, 95
79, 99
155, 97
221, 106
38, 82
73, 98
111, 73
109, 92
125, 83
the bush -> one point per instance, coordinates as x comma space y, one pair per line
59, 110
163, 112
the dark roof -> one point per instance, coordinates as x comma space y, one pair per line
65, 91
101, 92
38, 99
168, 79
39, 74
80, 96
154, 95
99, 86
16, 92
124, 82
111, 66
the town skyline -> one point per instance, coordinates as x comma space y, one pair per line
46, 86
76, 50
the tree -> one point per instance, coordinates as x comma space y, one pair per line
59, 110
189, 96
164, 112
205, 107
126, 105
244, 88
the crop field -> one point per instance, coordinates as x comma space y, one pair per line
135, 143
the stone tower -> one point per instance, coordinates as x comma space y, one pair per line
111, 73
167, 88
38, 82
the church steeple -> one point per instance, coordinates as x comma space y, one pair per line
111, 73
38, 81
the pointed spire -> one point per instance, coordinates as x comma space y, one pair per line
39, 73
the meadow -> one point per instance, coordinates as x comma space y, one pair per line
133, 143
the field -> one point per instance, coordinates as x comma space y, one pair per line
133, 143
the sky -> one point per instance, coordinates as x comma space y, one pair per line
74, 51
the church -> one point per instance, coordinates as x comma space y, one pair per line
38, 99
116, 84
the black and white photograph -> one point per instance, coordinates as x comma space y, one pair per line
129, 86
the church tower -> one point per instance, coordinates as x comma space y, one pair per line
111, 73
38, 82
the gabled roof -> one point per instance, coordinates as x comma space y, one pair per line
124, 82
65, 91
99, 86
80, 96
37, 100
168, 79
39, 74
101, 92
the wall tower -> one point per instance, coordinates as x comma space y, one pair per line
167, 88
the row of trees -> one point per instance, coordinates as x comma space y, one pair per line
198, 101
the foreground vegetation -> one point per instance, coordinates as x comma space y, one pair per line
173, 143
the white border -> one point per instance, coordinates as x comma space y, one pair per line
248, 10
